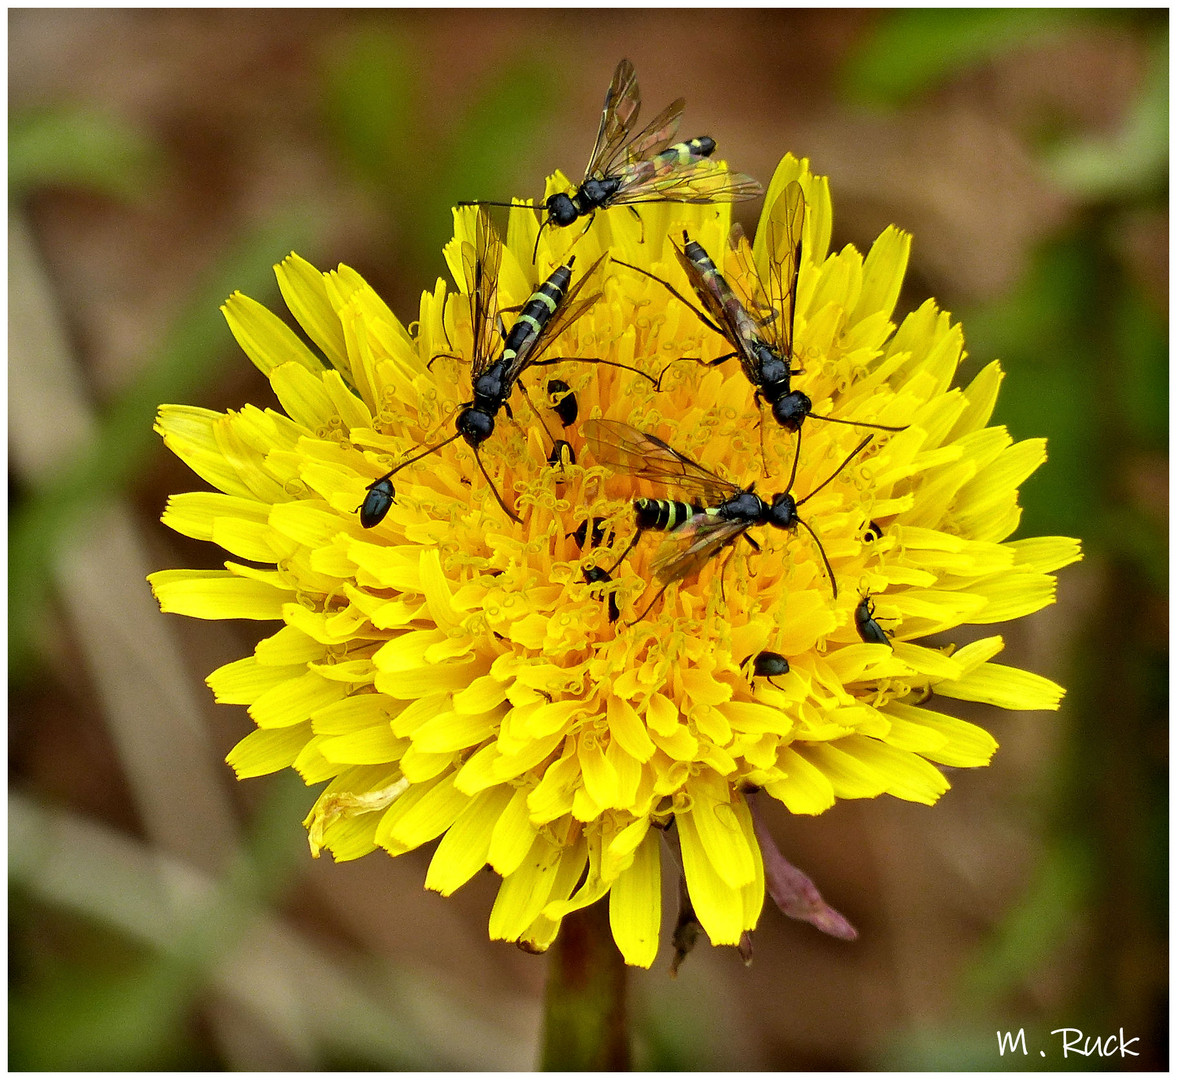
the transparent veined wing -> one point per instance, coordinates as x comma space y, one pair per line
744, 277
693, 544
726, 310
481, 264
626, 449
697, 180
622, 104
786, 223
657, 135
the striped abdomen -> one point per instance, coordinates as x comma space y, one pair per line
535, 314
678, 156
722, 292
665, 514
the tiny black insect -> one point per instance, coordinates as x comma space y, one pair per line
868, 627
720, 514
626, 168
561, 448
596, 575
873, 533
768, 664
377, 502
566, 408
581, 533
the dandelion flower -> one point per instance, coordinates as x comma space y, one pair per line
455, 676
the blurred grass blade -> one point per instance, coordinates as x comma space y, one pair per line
1135, 159
81, 148
370, 96
912, 51
187, 360
380, 116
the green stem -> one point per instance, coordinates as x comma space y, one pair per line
584, 1010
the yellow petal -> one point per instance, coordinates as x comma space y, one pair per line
635, 904
305, 293
216, 594
718, 906
463, 850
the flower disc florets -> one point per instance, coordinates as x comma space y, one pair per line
454, 674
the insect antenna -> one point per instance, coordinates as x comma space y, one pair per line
824, 558
488, 202
535, 250
854, 423
513, 516
852, 455
796, 457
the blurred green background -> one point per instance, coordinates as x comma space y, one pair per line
163, 916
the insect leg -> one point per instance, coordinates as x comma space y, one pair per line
723, 570
695, 360
592, 360
702, 315
438, 356
657, 597
641, 224
632, 544
539, 416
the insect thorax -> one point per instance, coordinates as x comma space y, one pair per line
595, 193
773, 370
746, 506
488, 387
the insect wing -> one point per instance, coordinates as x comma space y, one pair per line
482, 276
645, 456
657, 135
742, 270
693, 544
784, 260
622, 102
696, 180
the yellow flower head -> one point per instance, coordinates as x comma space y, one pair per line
453, 673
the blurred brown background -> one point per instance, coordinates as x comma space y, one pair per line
164, 916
